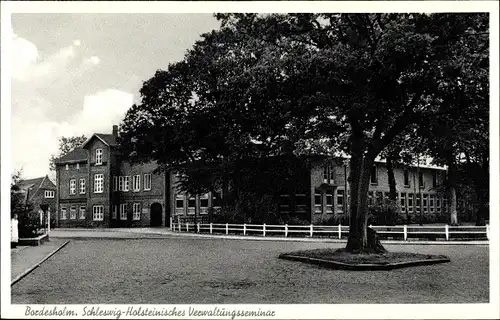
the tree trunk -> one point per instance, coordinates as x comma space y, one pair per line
361, 238
392, 207
452, 192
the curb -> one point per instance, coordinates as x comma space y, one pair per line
254, 238
29, 270
361, 267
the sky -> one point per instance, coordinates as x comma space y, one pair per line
75, 74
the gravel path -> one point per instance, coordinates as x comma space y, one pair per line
177, 271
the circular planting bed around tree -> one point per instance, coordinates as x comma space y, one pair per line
342, 259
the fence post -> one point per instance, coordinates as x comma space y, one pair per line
244, 229
187, 226
264, 230
405, 232
340, 231
198, 227
210, 227
488, 231
179, 226
446, 232
227, 228
311, 230
171, 223
286, 230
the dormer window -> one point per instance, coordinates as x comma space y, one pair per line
67, 167
98, 156
77, 166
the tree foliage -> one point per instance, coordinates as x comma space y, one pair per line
66, 144
263, 84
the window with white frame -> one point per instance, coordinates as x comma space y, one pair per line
406, 178
417, 202
72, 213
329, 201
318, 201
82, 212
438, 204
410, 202
147, 181
179, 204
66, 167
123, 211
77, 166
421, 182
431, 202
136, 182
204, 203
49, 193
216, 199
114, 213
328, 173
284, 203
126, 181
115, 183
82, 186
98, 183
340, 200
72, 186
425, 198
402, 201
98, 213
191, 205
301, 202
98, 156
63, 213
136, 213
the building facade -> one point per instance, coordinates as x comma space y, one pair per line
96, 188
41, 192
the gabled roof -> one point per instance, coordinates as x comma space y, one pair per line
36, 184
107, 139
76, 155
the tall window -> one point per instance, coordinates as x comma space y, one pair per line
318, 201
284, 203
438, 204
410, 202
98, 156
82, 212
179, 204
402, 200
115, 183
374, 175
98, 183
301, 202
329, 202
123, 211
406, 176
63, 213
147, 181
98, 213
72, 186
82, 185
136, 182
49, 194
417, 202
340, 201
425, 203
328, 173
72, 213
114, 213
216, 200
204, 203
191, 205
136, 213
431, 202
421, 179
126, 183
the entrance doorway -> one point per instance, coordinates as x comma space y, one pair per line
156, 213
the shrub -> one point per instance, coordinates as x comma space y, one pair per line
29, 225
383, 215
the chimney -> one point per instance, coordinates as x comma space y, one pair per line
115, 131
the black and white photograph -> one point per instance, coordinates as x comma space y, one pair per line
279, 160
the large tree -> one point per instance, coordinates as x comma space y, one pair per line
261, 84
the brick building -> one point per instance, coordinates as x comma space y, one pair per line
96, 188
39, 191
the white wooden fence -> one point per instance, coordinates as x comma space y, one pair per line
404, 232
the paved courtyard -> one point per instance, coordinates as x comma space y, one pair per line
175, 270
